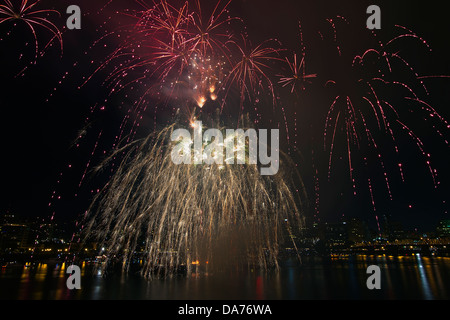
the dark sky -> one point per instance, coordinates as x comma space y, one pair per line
37, 135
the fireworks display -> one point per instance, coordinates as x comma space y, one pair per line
371, 114
189, 55
170, 216
350, 113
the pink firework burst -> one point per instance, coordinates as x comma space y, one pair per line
33, 18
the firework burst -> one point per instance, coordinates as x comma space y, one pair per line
190, 56
298, 78
250, 71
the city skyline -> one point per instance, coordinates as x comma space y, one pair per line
31, 237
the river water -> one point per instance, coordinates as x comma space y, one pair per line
402, 277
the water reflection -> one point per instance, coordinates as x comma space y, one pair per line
423, 279
341, 277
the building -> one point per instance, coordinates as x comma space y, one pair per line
336, 234
14, 234
443, 228
357, 231
392, 229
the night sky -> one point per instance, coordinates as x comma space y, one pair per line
40, 124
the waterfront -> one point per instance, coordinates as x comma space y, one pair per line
412, 277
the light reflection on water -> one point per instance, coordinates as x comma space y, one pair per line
403, 277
